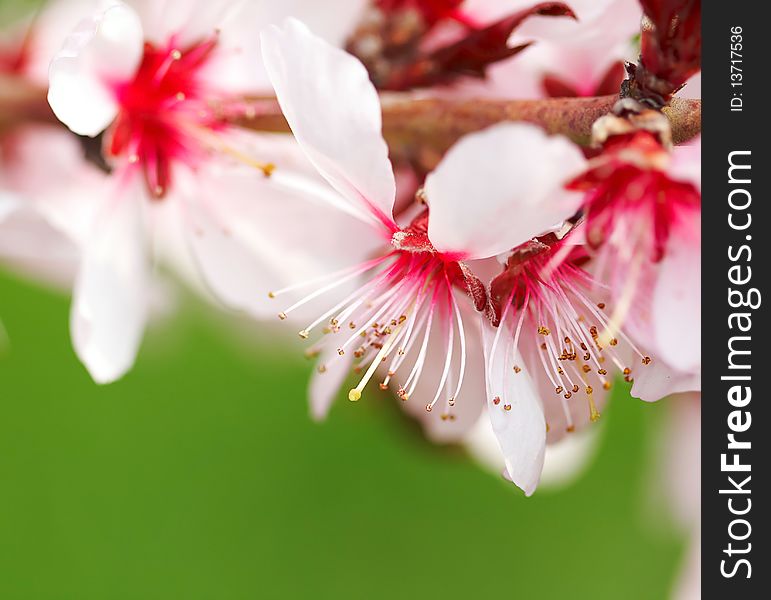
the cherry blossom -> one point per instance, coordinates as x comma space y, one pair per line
642, 212
157, 88
485, 197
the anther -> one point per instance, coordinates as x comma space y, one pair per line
497, 400
354, 395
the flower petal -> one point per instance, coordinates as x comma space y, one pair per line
676, 309
686, 162
109, 305
499, 188
332, 370
8, 205
564, 461
251, 235
520, 428
237, 64
660, 381
334, 112
102, 51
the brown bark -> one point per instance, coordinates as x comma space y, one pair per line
422, 130
418, 130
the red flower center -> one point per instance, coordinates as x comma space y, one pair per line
160, 111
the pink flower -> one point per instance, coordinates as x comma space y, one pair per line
156, 85
488, 195
642, 212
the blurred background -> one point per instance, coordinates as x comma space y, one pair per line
201, 475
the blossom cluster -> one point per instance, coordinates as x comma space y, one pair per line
499, 271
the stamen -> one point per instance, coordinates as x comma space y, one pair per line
355, 394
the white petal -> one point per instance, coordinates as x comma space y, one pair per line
187, 21
51, 25
658, 381
686, 163
109, 305
564, 461
237, 64
499, 188
8, 205
676, 308
103, 51
521, 430
251, 235
692, 88
46, 167
30, 246
326, 381
334, 112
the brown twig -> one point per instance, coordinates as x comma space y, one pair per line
423, 129
22, 102
418, 130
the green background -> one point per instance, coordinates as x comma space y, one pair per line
200, 475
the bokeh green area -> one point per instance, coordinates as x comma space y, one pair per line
200, 475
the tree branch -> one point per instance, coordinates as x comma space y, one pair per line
422, 130
417, 130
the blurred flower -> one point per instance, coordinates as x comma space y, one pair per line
550, 320
678, 477
642, 212
408, 44
581, 57
156, 84
34, 156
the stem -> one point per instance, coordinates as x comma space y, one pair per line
422, 130
417, 130
22, 102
